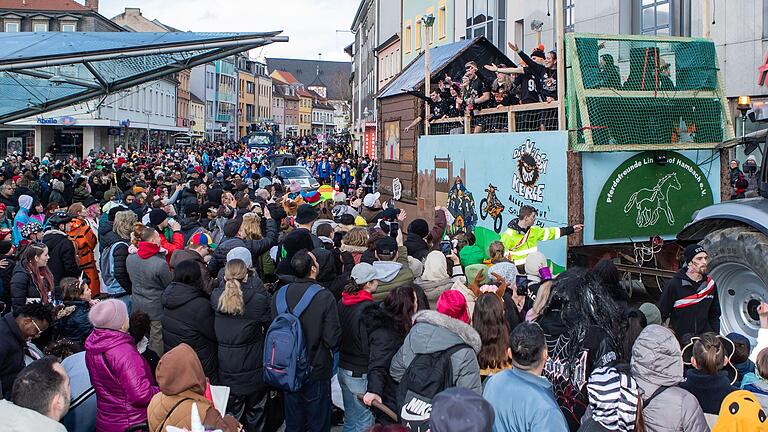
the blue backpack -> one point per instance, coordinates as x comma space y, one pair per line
286, 361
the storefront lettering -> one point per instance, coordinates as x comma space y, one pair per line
47, 121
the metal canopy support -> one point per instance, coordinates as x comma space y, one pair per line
47, 76
97, 75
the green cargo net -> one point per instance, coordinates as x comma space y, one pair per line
644, 92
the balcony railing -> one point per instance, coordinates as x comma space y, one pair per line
516, 118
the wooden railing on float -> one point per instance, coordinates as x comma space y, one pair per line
514, 118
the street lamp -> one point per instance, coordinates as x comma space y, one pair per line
148, 113
428, 21
743, 104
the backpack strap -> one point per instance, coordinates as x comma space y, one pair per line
658, 391
162, 425
306, 299
281, 303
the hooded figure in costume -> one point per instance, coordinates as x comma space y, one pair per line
581, 337
741, 412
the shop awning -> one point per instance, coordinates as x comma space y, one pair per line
40, 72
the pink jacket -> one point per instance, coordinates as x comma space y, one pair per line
122, 380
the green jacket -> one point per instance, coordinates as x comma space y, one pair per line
399, 272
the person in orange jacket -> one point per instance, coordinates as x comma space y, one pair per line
158, 219
85, 241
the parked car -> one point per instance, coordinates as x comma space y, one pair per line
300, 174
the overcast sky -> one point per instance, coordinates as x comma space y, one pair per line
310, 24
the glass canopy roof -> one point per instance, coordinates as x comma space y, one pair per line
40, 72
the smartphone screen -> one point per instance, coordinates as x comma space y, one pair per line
446, 247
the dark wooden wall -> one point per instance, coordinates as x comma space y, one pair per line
403, 109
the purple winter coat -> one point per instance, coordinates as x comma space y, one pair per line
124, 384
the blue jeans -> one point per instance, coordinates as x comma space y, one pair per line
309, 407
357, 417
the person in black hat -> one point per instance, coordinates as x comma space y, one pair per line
712, 376
689, 299
63, 261
306, 216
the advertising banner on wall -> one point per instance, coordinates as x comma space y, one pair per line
631, 196
483, 180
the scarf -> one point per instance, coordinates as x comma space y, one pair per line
147, 250
358, 297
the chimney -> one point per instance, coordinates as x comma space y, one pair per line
92, 5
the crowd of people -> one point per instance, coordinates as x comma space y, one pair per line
137, 288
535, 80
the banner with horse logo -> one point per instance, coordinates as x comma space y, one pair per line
646, 197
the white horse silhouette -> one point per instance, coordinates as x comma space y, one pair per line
649, 203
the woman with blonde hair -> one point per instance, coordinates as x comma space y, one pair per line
355, 242
242, 315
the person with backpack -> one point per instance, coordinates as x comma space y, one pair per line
306, 387
150, 276
355, 301
241, 304
63, 262
657, 366
439, 352
112, 263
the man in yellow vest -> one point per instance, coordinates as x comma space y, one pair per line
522, 236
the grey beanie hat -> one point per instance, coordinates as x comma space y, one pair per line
242, 254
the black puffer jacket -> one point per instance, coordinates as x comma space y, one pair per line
22, 286
353, 350
63, 261
241, 338
188, 318
384, 340
120, 254
257, 247
12, 347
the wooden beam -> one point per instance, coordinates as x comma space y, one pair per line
661, 94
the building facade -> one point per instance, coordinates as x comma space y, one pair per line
54, 16
197, 116
413, 33
246, 95
263, 94
278, 108
131, 117
364, 82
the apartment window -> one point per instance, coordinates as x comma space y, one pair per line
568, 15
12, 26
417, 36
40, 27
654, 17
69, 27
441, 24
487, 18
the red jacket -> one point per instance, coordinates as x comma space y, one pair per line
176, 243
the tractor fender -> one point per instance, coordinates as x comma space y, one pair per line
752, 212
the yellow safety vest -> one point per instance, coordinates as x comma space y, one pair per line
518, 245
